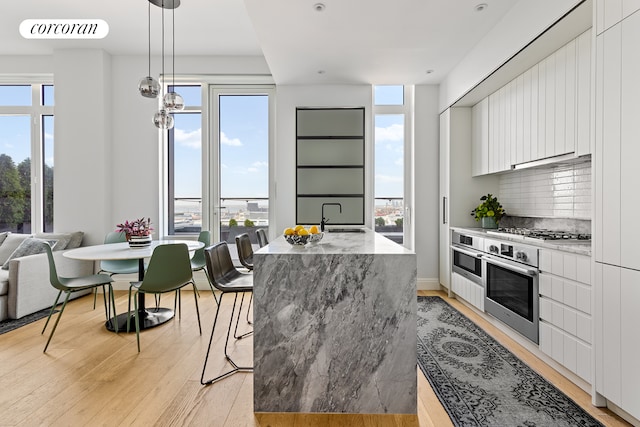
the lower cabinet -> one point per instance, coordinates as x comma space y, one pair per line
565, 311
468, 290
617, 296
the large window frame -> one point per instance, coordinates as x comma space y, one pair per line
406, 109
37, 113
210, 87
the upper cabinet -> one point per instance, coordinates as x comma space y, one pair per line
330, 164
480, 138
541, 114
610, 12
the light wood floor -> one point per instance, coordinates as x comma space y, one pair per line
90, 376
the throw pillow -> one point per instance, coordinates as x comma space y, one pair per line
30, 246
10, 244
62, 239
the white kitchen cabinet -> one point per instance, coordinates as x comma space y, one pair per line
611, 12
565, 317
443, 224
468, 290
583, 94
630, 341
608, 13
494, 131
544, 112
480, 138
617, 369
629, 146
459, 191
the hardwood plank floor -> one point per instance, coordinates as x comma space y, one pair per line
90, 376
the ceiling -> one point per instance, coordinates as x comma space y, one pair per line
351, 41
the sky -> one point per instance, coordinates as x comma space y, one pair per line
243, 142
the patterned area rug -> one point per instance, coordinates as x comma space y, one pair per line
11, 324
481, 383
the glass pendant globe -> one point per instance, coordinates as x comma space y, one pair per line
173, 101
149, 87
163, 120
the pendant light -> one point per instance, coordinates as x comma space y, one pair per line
163, 119
148, 86
172, 100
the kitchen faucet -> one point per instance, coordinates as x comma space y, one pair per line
324, 220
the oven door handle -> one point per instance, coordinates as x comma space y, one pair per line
522, 270
466, 252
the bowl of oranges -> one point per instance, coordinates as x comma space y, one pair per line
300, 236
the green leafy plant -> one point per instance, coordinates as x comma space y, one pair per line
380, 222
248, 223
233, 222
489, 207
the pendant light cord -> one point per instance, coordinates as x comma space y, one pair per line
149, 34
173, 49
163, 76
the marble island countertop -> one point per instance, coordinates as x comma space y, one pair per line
335, 326
366, 242
576, 247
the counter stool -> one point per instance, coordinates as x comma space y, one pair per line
227, 279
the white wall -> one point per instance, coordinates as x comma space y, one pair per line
523, 23
82, 142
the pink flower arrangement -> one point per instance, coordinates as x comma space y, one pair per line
138, 227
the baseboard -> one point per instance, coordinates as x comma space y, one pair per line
430, 284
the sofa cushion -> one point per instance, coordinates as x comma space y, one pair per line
30, 246
62, 240
4, 282
72, 240
10, 244
3, 236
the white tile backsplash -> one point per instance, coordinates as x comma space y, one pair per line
559, 191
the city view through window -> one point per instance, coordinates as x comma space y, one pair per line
243, 204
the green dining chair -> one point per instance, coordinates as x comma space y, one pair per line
116, 266
198, 262
169, 270
69, 285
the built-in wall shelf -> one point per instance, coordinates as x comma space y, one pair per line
330, 166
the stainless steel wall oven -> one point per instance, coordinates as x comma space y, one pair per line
466, 253
511, 282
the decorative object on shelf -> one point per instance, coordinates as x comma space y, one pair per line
489, 212
138, 232
149, 87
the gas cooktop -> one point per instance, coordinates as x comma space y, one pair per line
543, 235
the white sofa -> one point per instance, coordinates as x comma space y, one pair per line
25, 286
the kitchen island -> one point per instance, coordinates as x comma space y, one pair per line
335, 326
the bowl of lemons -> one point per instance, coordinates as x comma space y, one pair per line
300, 236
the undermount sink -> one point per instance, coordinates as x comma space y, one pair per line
345, 230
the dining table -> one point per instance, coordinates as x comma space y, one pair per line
150, 317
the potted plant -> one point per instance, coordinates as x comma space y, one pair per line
489, 212
138, 232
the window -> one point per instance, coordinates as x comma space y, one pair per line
391, 186
218, 165
26, 156
185, 164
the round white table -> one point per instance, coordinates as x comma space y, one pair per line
119, 251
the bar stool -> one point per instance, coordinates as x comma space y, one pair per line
227, 279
